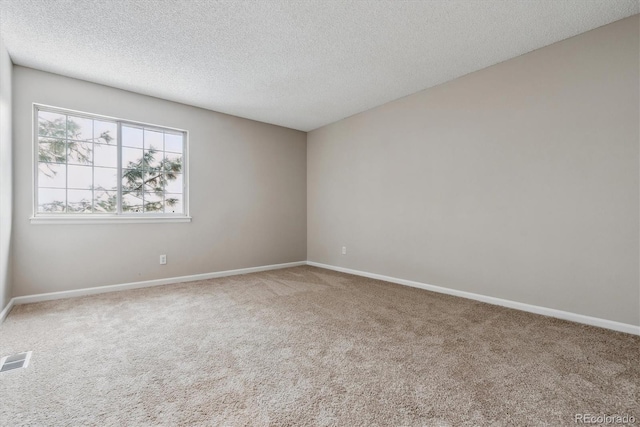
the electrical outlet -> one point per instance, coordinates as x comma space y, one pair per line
163, 259
344, 250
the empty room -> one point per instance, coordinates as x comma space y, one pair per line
319, 213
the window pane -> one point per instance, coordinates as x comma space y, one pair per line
132, 180
80, 153
52, 175
153, 202
105, 178
131, 203
52, 150
50, 200
131, 137
153, 182
105, 201
79, 128
105, 155
153, 140
105, 132
131, 157
173, 162
173, 142
79, 201
79, 177
173, 203
52, 124
152, 159
173, 183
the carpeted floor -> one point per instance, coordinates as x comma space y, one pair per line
305, 347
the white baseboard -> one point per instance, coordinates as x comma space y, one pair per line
7, 309
551, 312
144, 284
579, 318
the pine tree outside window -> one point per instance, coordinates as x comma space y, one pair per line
90, 167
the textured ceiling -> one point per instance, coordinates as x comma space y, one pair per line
300, 64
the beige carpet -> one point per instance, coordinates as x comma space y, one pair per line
306, 346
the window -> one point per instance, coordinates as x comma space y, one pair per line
94, 167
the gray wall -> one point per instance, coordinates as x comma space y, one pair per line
247, 196
6, 189
519, 181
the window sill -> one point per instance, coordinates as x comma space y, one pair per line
76, 219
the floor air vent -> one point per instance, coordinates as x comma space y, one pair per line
9, 363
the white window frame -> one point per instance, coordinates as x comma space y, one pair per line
119, 216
